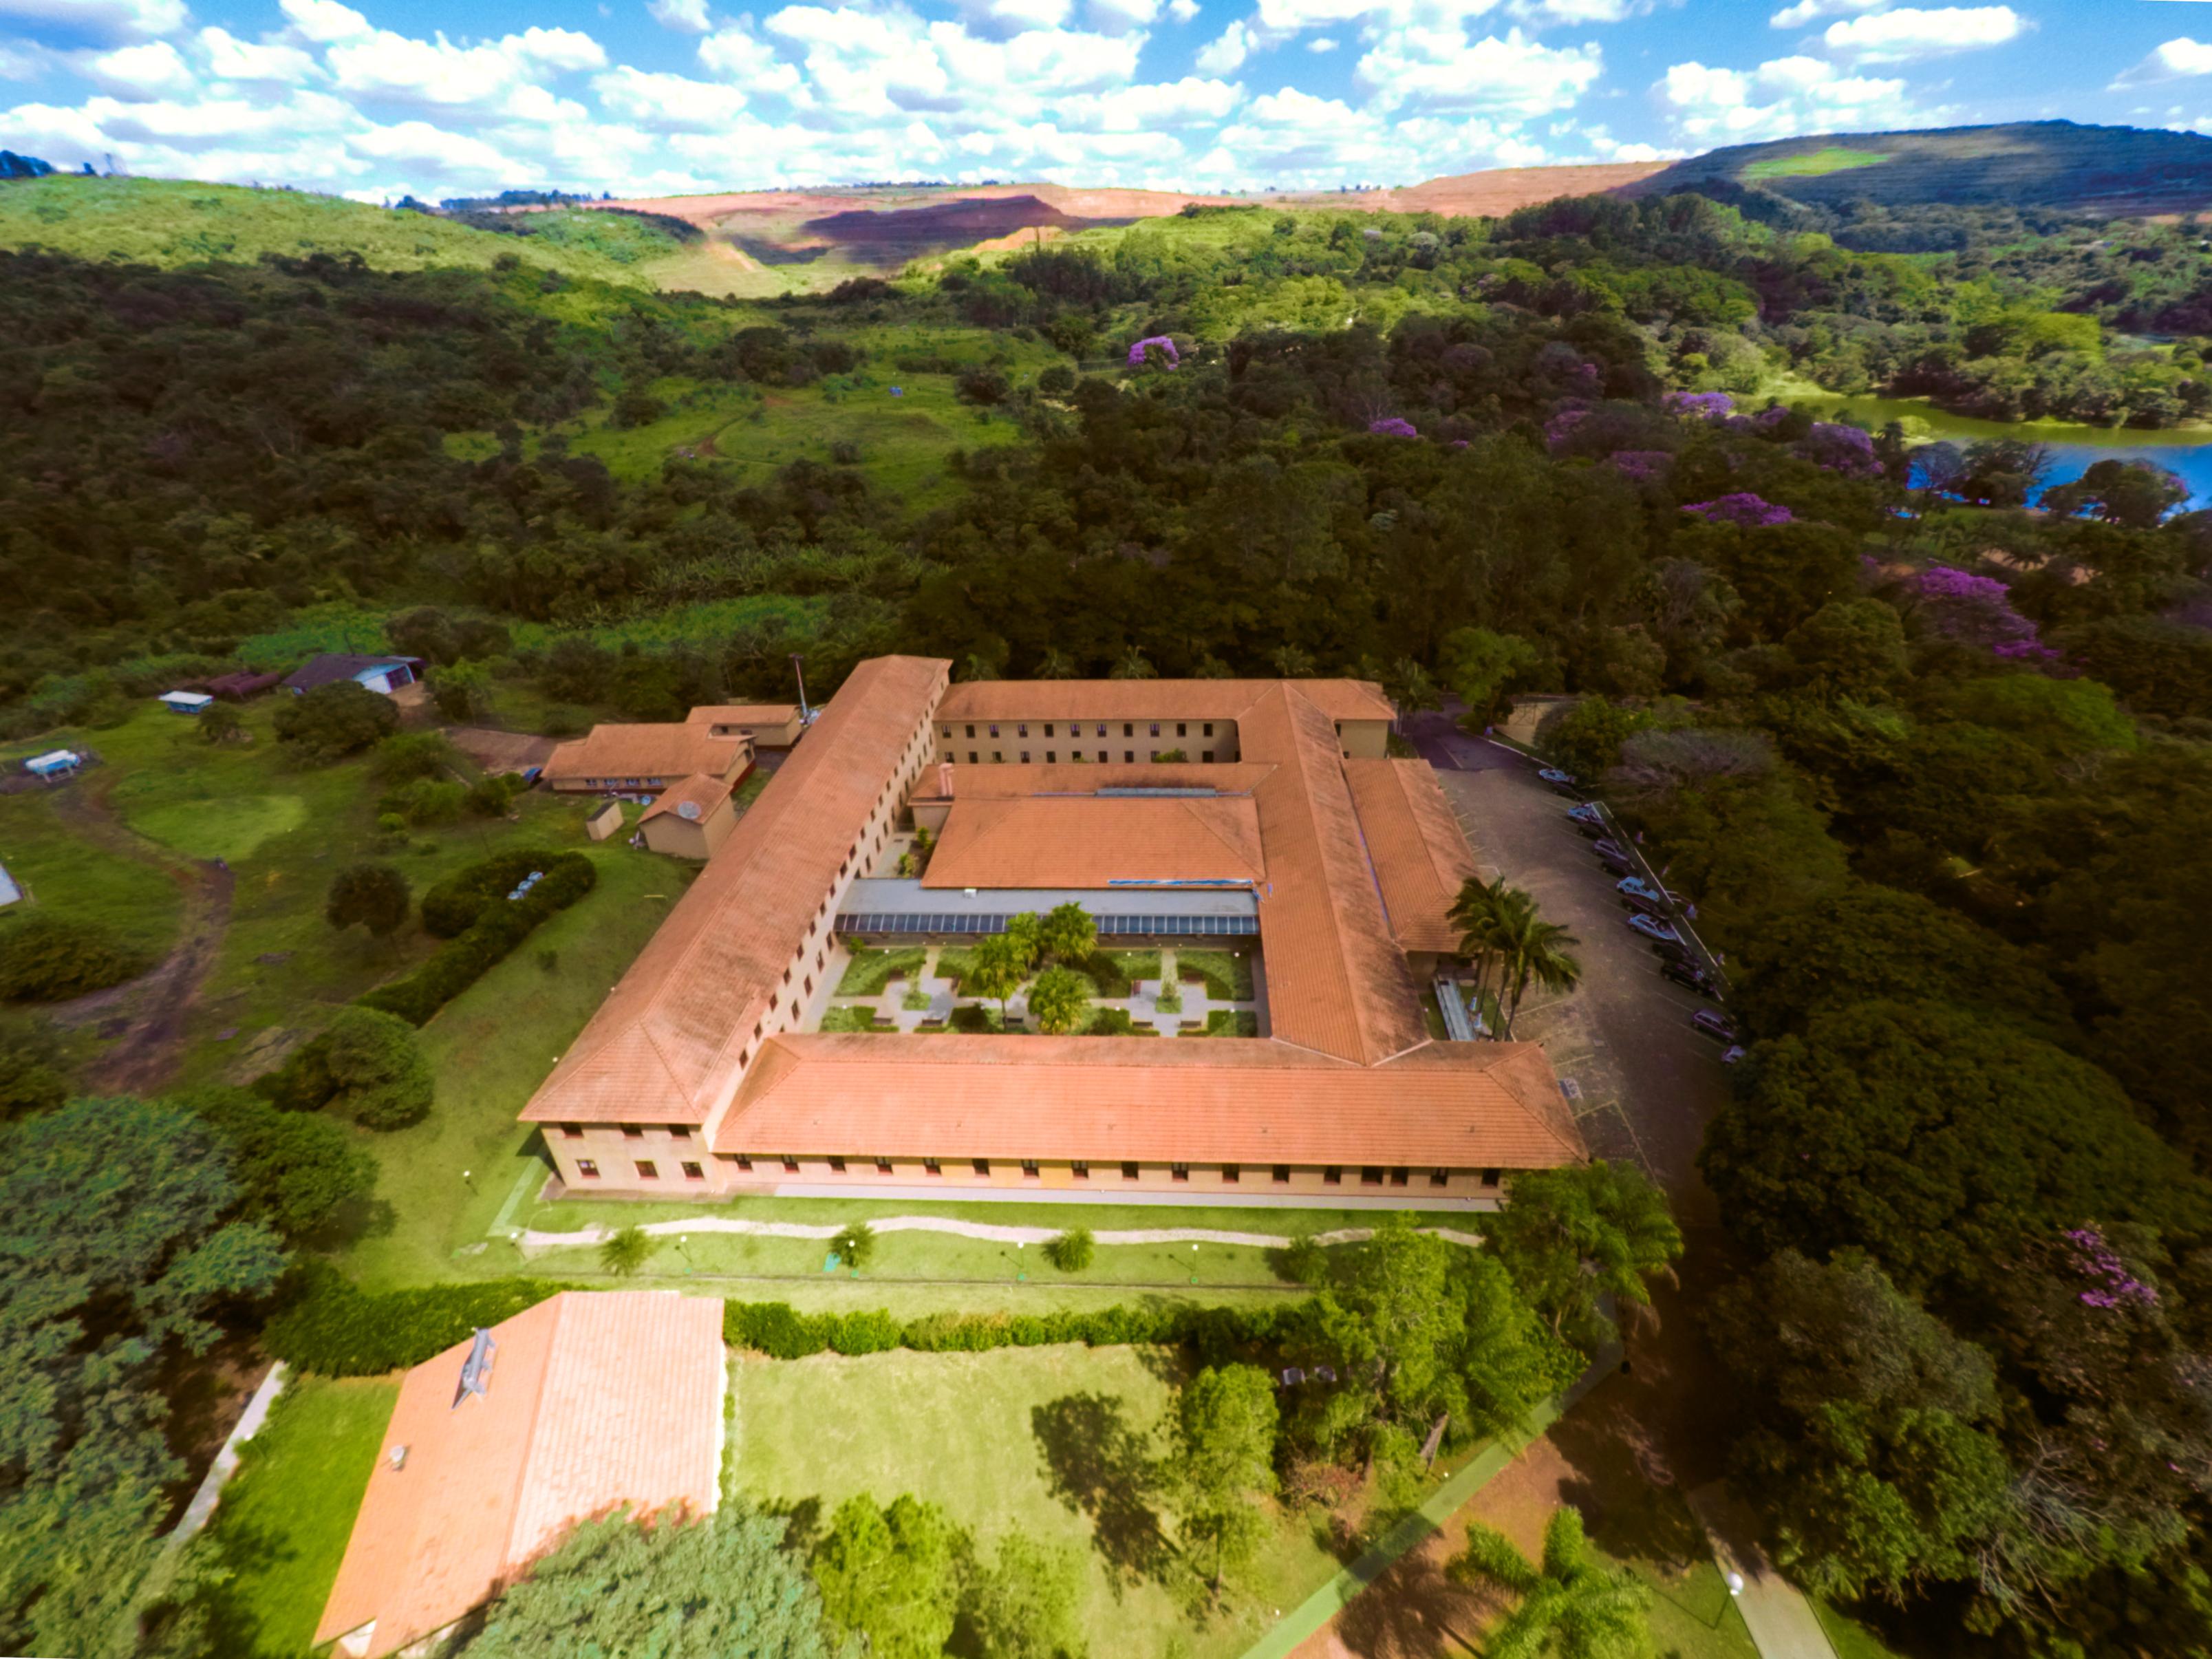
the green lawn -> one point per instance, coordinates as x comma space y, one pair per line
1060, 1443
447, 1178
274, 1545
231, 828
871, 970
64, 872
1833, 158
1226, 975
1850, 1638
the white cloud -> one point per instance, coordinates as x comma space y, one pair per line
1188, 102
736, 56
668, 102
1182, 10
1890, 37
105, 20
1577, 12
498, 77
229, 58
1012, 15
147, 71
2177, 60
1119, 16
325, 21
687, 14
1780, 99
1439, 68
1226, 54
1283, 18
1322, 43
1805, 11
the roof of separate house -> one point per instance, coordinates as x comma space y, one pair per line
699, 790
195, 698
1420, 856
1152, 700
1449, 1105
1092, 841
597, 1399
331, 666
664, 1044
744, 713
242, 685
676, 750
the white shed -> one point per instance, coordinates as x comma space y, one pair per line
183, 702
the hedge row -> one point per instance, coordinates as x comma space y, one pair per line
452, 907
498, 928
326, 1324
781, 1332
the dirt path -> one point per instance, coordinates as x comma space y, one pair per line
990, 1232
145, 1016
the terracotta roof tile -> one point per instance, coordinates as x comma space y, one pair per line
1419, 853
664, 1046
675, 751
573, 1426
1152, 700
743, 713
1094, 840
699, 790
1449, 1105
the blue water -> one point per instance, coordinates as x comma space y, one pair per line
2191, 464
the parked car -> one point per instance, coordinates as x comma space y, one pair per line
1643, 895
1566, 782
1689, 975
1587, 819
1655, 930
1715, 1025
1733, 1053
1613, 855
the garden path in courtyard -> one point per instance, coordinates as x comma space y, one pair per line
990, 1232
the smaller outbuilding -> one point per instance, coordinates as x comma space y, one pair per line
380, 674
644, 760
604, 820
186, 702
239, 688
54, 765
769, 724
691, 819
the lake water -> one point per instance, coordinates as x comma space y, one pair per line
2185, 452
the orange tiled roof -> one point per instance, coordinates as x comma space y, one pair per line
1094, 840
1419, 853
1337, 981
1152, 700
664, 1046
646, 751
572, 1425
743, 713
701, 790
1214, 1100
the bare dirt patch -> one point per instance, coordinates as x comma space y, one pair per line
499, 751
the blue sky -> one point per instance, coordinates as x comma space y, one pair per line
666, 96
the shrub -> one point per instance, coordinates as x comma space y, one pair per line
373, 894
779, 1331
427, 802
325, 1323
406, 756
492, 797
562, 723
453, 906
1226, 978
1103, 971
854, 1243
381, 1079
870, 972
48, 957
1111, 1022
626, 1251
982, 385
335, 720
490, 929
1070, 1251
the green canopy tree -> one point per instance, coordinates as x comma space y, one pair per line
374, 896
1059, 1000
997, 970
1501, 931
1480, 667
892, 1575
331, 721
375, 1064
722, 1588
1570, 1604
1571, 1236
1067, 933
1024, 1606
1224, 1452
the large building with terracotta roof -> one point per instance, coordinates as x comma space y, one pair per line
1281, 830
588, 1403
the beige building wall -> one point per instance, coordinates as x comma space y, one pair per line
682, 838
1057, 742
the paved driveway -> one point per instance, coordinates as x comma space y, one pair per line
1648, 1083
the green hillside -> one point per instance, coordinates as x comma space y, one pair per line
2033, 164
172, 223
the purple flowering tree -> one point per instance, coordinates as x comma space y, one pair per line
1841, 448
2111, 1284
1978, 610
1641, 464
1705, 405
1392, 426
1561, 427
1140, 352
1741, 508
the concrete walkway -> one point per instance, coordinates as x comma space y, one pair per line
226, 1461
1781, 1620
989, 1232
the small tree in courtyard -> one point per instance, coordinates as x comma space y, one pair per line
626, 1251
1067, 933
1059, 1000
1225, 1458
376, 895
998, 972
1570, 1604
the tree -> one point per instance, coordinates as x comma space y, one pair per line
299, 1172
893, 1576
997, 970
1059, 1000
1500, 928
337, 719
1570, 1237
1026, 933
1225, 1454
1133, 665
1933, 1139
376, 895
2134, 493
49, 957
1850, 648
854, 1243
426, 632
406, 756
1586, 735
462, 691
380, 1076
725, 1588
1874, 1452
1069, 1251
1067, 933
32, 1074
1570, 1604
626, 1250
220, 723
1480, 667
1024, 1606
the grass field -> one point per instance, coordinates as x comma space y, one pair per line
64, 872
273, 1548
1850, 1638
1834, 158
230, 828
1060, 1443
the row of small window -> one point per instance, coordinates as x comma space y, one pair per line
634, 1131
588, 1170
1332, 1175
1052, 756
1075, 728
625, 783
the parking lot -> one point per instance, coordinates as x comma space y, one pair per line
1645, 1082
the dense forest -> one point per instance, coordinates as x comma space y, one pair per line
1933, 763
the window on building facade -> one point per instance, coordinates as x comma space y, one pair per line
930, 1166
586, 1169
1156, 728
1439, 1177
1232, 1173
971, 731
883, 1166
994, 731
1282, 1173
1048, 728
1332, 1176
971, 757
1128, 754
1182, 729
983, 1166
572, 1131
1102, 728
1399, 1176
1022, 730
1207, 756
679, 1132
1179, 1171
1025, 757
1128, 730
1490, 1177
790, 1164
837, 1166
1371, 1175
1206, 730
634, 1131
694, 1172
1080, 1170
743, 1162
1128, 1172
997, 755
1052, 757
647, 1170
1029, 1170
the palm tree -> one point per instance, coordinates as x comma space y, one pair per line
1056, 664
1499, 928
1570, 1607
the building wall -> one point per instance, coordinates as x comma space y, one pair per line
682, 838
1055, 742
779, 735
740, 766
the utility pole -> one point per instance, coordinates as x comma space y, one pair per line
806, 715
